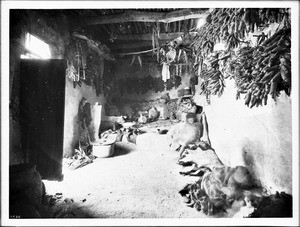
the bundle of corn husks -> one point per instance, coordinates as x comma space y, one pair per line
213, 83
231, 25
264, 69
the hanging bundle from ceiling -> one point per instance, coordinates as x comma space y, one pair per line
258, 71
231, 25
264, 69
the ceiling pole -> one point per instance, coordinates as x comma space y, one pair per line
136, 28
136, 52
106, 29
137, 44
163, 36
166, 27
128, 28
112, 29
140, 28
174, 26
191, 25
144, 16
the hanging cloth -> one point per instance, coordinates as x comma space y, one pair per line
84, 113
85, 118
165, 72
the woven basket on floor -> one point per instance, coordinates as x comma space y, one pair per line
103, 150
106, 147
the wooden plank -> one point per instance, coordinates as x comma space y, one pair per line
144, 16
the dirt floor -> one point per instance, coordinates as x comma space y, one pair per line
139, 181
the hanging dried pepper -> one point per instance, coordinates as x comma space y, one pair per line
263, 70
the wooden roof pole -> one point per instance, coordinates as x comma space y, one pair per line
162, 36
138, 52
144, 16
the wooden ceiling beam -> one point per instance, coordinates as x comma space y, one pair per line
144, 16
147, 57
149, 61
162, 36
133, 45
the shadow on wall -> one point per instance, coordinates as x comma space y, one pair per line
269, 170
272, 170
252, 152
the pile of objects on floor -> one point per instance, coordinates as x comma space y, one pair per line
144, 111
81, 157
219, 187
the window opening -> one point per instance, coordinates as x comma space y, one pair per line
36, 48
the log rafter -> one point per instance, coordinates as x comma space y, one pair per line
144, 16
162, 36
132, 45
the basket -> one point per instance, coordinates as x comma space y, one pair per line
103, 150
106, 147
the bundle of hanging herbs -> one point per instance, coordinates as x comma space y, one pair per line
84, 65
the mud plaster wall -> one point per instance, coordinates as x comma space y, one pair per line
151, 95
56, 35
123, 70
260, 138
73, 97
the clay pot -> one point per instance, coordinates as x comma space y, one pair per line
25, 184
142, 119
163, 112
153, 113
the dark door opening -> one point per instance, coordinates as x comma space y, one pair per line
42, 97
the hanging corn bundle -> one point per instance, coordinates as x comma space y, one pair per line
71, 71
76, 61
264, 69
213, 83
257, 71
230, 25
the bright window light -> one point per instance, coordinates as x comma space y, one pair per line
36, 48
